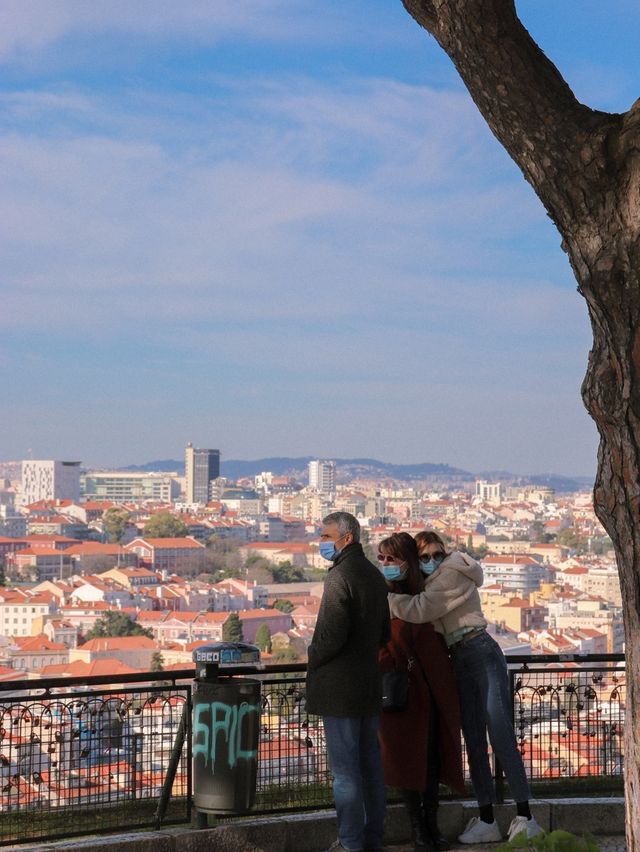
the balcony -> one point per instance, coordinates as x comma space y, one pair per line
96, 757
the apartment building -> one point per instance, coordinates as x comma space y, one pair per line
322, 476
588, 612
34, 652
48, 563
19, 610
50, 480
514, 613
174, 555
126, 487
134, 651
519, 572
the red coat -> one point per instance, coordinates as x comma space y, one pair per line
432, 688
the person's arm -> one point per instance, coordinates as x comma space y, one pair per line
438, 598
332, 628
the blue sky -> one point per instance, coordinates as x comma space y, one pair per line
279, 232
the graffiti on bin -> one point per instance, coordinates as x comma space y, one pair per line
219, 719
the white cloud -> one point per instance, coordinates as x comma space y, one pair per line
29, 26
280, 240
139, 214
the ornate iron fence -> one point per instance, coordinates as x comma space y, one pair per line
75, 759
569, 718
80, 757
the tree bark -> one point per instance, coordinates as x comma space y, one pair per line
584, 165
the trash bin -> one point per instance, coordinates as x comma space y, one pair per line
226, 727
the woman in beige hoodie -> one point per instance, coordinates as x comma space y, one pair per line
451, 602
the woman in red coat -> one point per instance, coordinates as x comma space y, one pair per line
421, 745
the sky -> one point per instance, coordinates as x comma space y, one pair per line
271, 231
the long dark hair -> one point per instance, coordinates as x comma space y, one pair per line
403, 548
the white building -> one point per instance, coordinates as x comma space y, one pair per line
322, 475
50, 480
519, 572
489, 492
127, 487
19, 611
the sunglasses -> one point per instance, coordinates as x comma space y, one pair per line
386, 558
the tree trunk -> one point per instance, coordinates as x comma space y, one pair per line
584, 166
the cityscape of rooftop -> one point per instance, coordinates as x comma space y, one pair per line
118, 574
180, 555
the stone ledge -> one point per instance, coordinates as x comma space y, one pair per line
310, 832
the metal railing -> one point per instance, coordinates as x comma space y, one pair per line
82, 756
569, 714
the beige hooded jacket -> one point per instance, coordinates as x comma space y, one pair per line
450, 599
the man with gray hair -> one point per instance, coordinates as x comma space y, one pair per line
344, 685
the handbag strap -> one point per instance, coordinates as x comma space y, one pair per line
408, 653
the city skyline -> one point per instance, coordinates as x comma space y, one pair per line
281, 236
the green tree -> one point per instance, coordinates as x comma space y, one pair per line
165, 525
478, 552
536, 531
3, 576
570, 537
222, 558
232, 629
283, 605
263, 638
114, 522
157, 662
369, 550
286, 655
285, 572
259, 569
116, 623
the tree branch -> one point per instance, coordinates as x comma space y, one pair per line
561, 146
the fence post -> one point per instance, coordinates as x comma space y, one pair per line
176, 753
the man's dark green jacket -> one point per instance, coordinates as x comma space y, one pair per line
343, 677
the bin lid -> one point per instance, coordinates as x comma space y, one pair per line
228, 654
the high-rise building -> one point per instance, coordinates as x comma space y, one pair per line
201, 468
50, 480
489, 492
322, 475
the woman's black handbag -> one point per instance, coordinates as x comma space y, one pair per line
395, 689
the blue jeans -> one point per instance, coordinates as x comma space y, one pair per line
358, 780
485, 704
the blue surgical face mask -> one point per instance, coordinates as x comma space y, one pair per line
428, 566
392, 572
328, 550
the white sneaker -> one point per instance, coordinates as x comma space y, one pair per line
521, 823
478, 831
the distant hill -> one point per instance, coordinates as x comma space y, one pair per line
347, 468
365, 468
560, 484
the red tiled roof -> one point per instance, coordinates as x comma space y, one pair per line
106, 666
118, 643
36, 644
